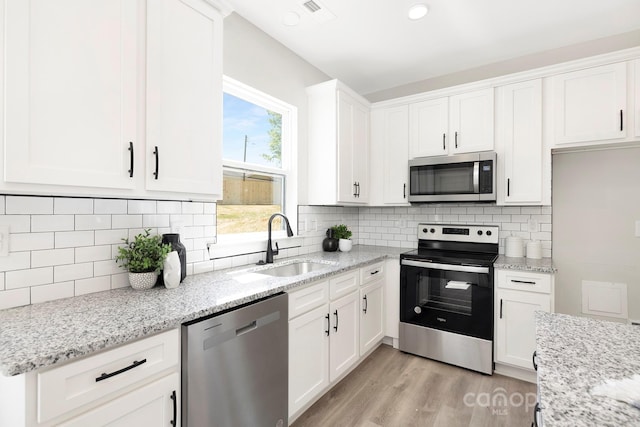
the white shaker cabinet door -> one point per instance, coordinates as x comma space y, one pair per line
471, 122
429, 125
184, 97
70, 92
343, 341
636, 102
372, 319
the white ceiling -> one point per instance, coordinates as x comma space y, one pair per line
371, 45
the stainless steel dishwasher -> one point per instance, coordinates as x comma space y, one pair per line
235, 367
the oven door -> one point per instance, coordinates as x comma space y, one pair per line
454, 298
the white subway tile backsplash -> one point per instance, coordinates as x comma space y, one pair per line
105, 268
93, 253
192, 208
52, 223
210, 209
155, 221
204, 220
169, 207
30, 241
71, 206
51, 292
120, 280
63, 273
1, 281
202, 267
110, 206
15, 298
73, 239
52, 257
96, 284
93, 222
15, 261
26, 205
16, 223
126, 221
141, 207
110, 237
27, 278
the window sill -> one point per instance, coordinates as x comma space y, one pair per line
236, 247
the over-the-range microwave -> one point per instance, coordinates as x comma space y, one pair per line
458, 178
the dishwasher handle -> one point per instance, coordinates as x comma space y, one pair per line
222, 332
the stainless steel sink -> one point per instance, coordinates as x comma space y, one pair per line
294, 269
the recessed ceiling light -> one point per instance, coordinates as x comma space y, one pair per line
417, 11
291, 19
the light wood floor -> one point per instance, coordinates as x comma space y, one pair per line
395, 389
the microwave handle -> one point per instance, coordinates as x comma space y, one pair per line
476, 177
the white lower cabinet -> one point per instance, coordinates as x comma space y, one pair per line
325, 333
519, 295
130, 385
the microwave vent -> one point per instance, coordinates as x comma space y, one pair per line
318, 11
312, 6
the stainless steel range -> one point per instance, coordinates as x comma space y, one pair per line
446, 295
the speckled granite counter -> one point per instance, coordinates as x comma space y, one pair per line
575, 354
40, 335
544, 265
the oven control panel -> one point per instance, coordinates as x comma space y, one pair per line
459, 233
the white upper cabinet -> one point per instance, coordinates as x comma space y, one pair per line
457, 124
389, 156
471, 121
429, 121
70, 93
519, 146
184, 97
590, 105
338, 145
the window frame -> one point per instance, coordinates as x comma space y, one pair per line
243, 243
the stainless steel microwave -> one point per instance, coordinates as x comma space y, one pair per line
459, 178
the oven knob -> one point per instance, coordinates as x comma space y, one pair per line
488, 232
433, 230
479, 232
417, 309
425, 230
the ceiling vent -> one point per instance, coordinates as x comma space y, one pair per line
318, 11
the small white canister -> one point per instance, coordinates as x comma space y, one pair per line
514, 247
534, 249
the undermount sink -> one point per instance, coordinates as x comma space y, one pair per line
294, 269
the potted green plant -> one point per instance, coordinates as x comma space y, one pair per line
143, 258
343, 234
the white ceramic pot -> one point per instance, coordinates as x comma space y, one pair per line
171, 270
142, 281
345, 245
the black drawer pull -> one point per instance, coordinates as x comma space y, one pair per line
328, 324
174, 421
501, 308
366, 304
533, 359
444, 145
404, 191
621, 122
375, 272
508, 187
336, 314
456, 139
135, 363
526, 282
131, 159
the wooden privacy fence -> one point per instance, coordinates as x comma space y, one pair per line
251, 189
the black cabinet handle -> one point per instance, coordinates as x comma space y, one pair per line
336, 314
130, 159
358, 186
533, 359
174, 421
444, 145
621, 122
508, 187
366, 304
374, 272
456, 139
156, 152
535, 414
526, 282
135, 363
404, 190
501, 308
355, 190
328, 324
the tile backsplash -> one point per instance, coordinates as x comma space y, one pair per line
61, 247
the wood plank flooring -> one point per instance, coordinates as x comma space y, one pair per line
395, 389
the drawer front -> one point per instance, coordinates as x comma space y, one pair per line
78, 383
344, 284
371, 273
524, 281
307, 299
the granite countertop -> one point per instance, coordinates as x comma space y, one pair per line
575, 354
544, 265
40, 335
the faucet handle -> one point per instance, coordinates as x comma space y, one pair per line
276, 251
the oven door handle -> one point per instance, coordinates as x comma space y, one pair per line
448, 267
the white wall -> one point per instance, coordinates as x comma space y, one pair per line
596, 201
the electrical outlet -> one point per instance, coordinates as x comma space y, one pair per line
4, 240
533, 225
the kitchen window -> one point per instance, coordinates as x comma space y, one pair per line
259, 174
